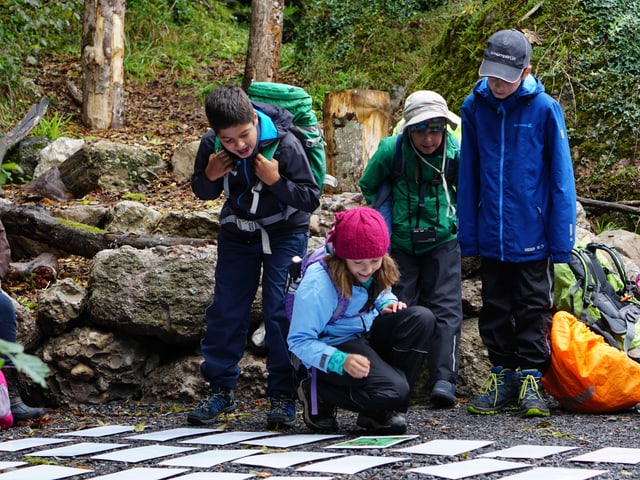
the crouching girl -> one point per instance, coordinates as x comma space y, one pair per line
367, 359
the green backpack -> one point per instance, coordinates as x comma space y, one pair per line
595, 289
305, 124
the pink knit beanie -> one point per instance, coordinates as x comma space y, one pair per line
358, 234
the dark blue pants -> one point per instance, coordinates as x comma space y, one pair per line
515, 319
237, 278
396, 346
433, 280
7, 320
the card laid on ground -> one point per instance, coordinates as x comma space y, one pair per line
102, 431
7, 465
227, 438
164, 435
143, 473
215, 476
25, 443
43, 472
140, 454
209, 458
610, 455
286, 441
284, 459
479, 466
299, 478
350, 464
528, 451
77, 449
549, 473
383, 441
445, 447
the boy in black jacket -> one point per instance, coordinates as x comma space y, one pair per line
264, 222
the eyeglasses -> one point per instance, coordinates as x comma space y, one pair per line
430, 126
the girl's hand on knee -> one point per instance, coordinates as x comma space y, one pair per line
357, 365
394, 307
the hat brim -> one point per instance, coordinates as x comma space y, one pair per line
421, 117
500, 70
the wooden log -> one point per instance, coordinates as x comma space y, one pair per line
354, 123
21, 130
34, 222
42, 270
620, 207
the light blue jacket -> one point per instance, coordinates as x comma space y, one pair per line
311, 337
516, 190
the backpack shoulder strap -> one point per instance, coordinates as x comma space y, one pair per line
343, 301
398, 159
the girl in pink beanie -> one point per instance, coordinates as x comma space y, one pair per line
367, 359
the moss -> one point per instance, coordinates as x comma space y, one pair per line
80, 226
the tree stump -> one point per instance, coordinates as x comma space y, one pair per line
354, 123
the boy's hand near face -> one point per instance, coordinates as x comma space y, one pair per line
219, 164
267, 170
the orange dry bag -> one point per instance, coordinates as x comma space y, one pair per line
586, 373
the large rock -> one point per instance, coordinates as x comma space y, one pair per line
160, 292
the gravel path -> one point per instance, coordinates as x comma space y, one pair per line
585, 432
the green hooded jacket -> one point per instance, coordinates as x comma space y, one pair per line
439, 205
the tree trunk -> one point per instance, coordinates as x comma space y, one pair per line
265, 42
103, 64
35, 223
354, 123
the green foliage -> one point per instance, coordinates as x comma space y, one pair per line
27, 364
52, 127
183, 39
28, 30
349, 44
7, 170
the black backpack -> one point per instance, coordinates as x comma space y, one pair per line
594, 287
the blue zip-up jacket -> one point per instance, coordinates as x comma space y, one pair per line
296, 187
516, 190
311, 336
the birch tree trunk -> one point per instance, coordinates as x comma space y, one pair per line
103, 64
265, 42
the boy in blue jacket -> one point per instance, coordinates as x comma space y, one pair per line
517, 210
264, 222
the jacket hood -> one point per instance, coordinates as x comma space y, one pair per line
530, 86
280, 117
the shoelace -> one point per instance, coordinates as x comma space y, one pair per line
216, 400
281, 405
529, 388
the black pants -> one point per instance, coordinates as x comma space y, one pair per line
433, 280
515, 319
396, 346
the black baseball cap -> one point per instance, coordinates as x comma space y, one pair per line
507, 54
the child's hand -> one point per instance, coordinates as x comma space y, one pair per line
267, 170
357, 365
394, 307
219, 164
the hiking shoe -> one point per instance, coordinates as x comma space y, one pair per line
443, 394
325, 419
219, 401
500, 392
385, 423
531, 403
282, 413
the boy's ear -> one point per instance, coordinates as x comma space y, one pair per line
526, 71
255, 118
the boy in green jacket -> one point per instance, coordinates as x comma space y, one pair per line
420, 165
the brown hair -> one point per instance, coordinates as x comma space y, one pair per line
384, 277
